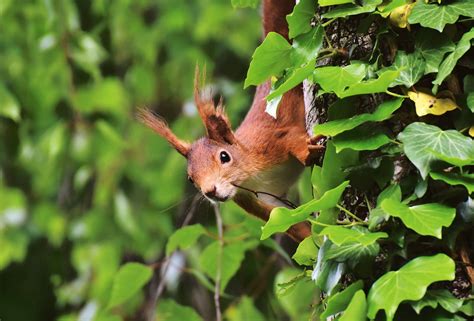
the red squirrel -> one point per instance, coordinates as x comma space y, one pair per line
264, 154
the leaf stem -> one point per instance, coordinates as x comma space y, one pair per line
349, 213
395, 94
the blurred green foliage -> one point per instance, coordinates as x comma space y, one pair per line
84, 188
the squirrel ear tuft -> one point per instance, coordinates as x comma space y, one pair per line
160, 127
215, 120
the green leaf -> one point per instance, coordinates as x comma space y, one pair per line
426, 219
9, 107
383, 112
371, 86
411, 67
361, 138
357, 309
324, 3
269, 59
169, 310
341, 235
281, 218
123, 215
130, 278
469, 90
327, 273
408, 283
448, 64
244, 3
306, 47
184, 238
336, 79
352, 9
433, 46
339, 301
306, 252
352, 253
467, 180
299, 20
423, 144
434, 297
296, 78
437, 16
107, 95
232, 256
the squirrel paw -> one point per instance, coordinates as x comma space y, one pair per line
315, 148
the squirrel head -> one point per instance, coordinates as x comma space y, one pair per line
216, 161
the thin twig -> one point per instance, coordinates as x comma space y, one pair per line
157, 291
349, 213
283, 200
217, 289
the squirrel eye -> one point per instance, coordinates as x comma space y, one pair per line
224, 157
190, 180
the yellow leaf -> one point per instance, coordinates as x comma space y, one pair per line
399, 16
427, 104
471, 131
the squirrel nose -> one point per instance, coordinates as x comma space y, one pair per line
211, 193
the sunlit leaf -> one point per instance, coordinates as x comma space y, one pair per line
299, 20
371, 86
128, 281
340, 235
437, 16
269, 59
357, 308
363, 137
337, 79
244, 311
383, 112
423, 144
281, 218
448, 64
427, 104
338, 302
169, 310
323, 3
408, 283
426, 219
433, 298
306, 252
9, 105
346, 10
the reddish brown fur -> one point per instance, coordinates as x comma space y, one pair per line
262, 151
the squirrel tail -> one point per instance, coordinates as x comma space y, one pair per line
274, 16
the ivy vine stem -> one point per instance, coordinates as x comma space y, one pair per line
395, 94
349, 213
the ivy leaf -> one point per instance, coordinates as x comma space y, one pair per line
184, 237
437, 16
130, 278
306, 252
383, 112
467, 180
299, 21
411, 67
244, 3
469, 90
434, 297
423, 144
306, 47
336, 79
232, 257
371, 86
352, 9
408, 283
361, 138
341, 235
357, 308
281, 218
324, 3
353, 252
427, 104
339, 301
426, 219
327, 273
447, 66
433, 46
296, 78
269, 59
